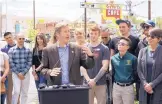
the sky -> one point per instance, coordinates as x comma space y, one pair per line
69, 9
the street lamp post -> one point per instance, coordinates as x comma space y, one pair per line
34, 14
149, 9
129, 3
6, 14
85, 19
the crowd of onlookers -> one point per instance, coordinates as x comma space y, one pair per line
118, 70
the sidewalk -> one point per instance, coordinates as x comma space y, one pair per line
32, 94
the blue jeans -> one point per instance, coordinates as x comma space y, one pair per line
41, 79
3, 96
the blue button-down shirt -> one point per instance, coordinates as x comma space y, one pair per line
20, 60
64, 59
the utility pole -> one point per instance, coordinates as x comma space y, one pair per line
129, 4
149, 9
6, 2
34, 14
85, 19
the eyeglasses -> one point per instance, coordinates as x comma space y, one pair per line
122, 44
104, 37
146, 27
21, 38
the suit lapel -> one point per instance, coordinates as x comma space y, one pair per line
56, 56
144, 61
155, 60
71, 55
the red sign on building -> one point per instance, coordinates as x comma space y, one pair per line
113, 11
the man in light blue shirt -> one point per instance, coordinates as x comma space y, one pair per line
64, 54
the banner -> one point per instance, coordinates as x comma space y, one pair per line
111, 12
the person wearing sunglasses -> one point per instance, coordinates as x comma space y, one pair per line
105, 36
20, 59
146, 26
149, 69
124, 72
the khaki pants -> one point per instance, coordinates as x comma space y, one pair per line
9, 89
99, 92
123, 95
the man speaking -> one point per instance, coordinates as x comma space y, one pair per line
62, 60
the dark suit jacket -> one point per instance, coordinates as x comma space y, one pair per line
76, 59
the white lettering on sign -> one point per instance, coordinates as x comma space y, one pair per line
113, 12
115, 7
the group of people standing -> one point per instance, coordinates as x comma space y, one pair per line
17, 64
129, 60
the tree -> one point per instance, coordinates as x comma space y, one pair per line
158, 21
31, 33
136, 20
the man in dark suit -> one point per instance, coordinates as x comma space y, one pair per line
62, 60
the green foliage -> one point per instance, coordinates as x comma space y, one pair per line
136, 102
158, 21
136, 20
31, 32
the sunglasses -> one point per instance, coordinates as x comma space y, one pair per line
151, 36
104, 37
146, 27
122, 44
21, 38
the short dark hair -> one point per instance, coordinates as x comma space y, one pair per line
126, 39
7, 33
157, 32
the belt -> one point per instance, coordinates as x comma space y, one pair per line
124, 84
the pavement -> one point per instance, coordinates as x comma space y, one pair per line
32, 93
